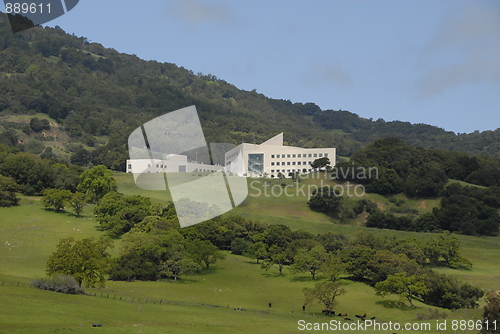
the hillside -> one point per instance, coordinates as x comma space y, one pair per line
93, 97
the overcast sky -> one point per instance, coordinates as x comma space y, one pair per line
425, 61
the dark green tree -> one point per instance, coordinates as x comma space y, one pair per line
204, 252
325, 293
77, 202
86, 260
8, 189
491, 312
56, 199
406, 286
96, 182
312, 261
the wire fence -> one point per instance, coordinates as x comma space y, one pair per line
139, 300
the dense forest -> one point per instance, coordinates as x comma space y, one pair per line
419, 173
365, 131
63, 95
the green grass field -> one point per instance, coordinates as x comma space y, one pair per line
30, 233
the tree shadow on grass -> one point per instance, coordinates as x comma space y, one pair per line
395, 304
272, 274
302, 279
212, 270
66, 213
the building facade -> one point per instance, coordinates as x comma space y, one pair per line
173, 163
269, 159
272, 158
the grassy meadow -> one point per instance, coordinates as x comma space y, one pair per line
30, 234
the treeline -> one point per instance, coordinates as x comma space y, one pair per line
418, 135
468, 210
30, 174
395, 167
416, 171
154, 247
60, 182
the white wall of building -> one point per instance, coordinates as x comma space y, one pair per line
173, 163
277, 158
268, 158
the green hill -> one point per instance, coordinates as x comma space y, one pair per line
93, 97
189, 305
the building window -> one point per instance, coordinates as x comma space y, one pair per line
129, 166
298, 162
283, 170
149, 165
288, 155
272, 170
293, 162
293, 155
288, 163
272, 156
321, 155
157, 166
272, 163
278, 163
326, 154
298, 155
315, 155
310, 155
256, 163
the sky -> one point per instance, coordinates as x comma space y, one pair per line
425, 61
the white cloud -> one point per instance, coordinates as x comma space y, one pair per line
195, 12
464, 50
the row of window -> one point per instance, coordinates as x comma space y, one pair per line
309, 155
293, 163
288, 170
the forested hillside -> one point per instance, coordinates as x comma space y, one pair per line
365, 131
63, 95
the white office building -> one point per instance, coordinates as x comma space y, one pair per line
267, 159
272, 157
172, 163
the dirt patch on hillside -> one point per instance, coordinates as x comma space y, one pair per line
422, 205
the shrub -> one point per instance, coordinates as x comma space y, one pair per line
59, 283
